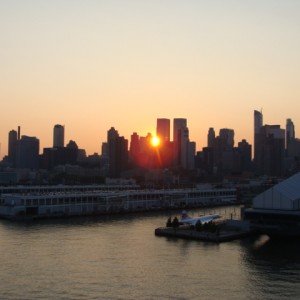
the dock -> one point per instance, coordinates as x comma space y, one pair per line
230, 230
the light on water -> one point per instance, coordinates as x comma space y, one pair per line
119, 257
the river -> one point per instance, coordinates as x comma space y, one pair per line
119, 257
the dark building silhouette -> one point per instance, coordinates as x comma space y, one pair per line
27, 152
163, 130
117, 153
134, 150
223, 150
58, 136
56, 156
270, 150
12, 146
245, 150
258, 123
184, 149
211, 138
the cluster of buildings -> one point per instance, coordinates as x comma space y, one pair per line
276, 152
142, 154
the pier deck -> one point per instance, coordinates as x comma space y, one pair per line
224, 235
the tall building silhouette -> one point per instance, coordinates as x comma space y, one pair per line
245, 150
290, 132
58, 136
227, 135
27, 152
271, 143
184, 150
134, 149
180, 139
258, 123
12, 146
211, 137
292, 148
117, 153
163, 130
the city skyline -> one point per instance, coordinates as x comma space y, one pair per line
237, 137
170, 124
90, 66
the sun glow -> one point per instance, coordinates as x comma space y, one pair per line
155, 141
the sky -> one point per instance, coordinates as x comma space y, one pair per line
92, 65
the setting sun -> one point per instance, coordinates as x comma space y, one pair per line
155, 141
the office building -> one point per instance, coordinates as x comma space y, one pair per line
211, 138
27, 152
180, 139
58, 136
12, 146
117, 153
163, 130
227, 135
270, 150
258, 123
290, 133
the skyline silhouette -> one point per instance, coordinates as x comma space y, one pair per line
154, 143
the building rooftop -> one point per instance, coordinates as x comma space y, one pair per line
283, 196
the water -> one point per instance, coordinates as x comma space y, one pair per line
119, 257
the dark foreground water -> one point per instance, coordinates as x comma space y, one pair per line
120, 258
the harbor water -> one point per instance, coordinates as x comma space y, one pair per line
119, 257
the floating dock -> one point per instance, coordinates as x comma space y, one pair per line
230, 230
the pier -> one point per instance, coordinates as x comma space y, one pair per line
229, 230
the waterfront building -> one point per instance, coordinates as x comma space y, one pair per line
58, 136
74, 202
276, 211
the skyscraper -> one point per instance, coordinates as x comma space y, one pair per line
227, 135
58, 136
271, 141
163, 130
117, 153
211, 138
182, 152
290, 132
27, 152
12, 146
258, 123
134, 149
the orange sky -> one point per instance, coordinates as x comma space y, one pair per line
90, 65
